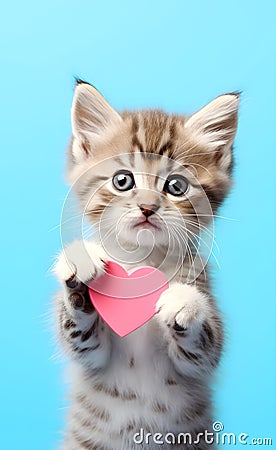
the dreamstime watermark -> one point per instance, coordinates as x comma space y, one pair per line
218, 436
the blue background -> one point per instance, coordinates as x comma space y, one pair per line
176, 55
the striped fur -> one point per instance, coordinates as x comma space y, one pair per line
157, 378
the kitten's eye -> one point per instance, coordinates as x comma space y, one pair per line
176, 185
123, 180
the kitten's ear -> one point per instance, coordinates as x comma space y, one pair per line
91, 117
215, 127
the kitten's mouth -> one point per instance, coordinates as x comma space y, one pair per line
146, 224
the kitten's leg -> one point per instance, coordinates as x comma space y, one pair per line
82, 332
192, 328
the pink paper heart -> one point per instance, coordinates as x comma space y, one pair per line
126, 300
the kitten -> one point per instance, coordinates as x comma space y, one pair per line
150, 182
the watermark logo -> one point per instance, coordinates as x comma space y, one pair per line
218, 436
218, 426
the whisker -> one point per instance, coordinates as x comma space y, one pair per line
203, 229
197, 251
181, 237
213, 215
211, 253
71, 218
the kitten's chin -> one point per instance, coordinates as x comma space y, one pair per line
143, 236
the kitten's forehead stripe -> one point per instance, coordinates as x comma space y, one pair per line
153, 132
136, 143
131, 159
118, 160
173, 129
156, 179
135, 124
166, 148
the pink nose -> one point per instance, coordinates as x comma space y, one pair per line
148, 210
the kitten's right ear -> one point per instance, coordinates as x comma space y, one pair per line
91, 117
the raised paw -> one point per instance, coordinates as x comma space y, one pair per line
182, 307
77, 265
80, 262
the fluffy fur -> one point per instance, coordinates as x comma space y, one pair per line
157, 378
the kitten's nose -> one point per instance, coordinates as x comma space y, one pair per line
148, 210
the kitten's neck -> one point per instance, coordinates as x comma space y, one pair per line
135, 256
172, 263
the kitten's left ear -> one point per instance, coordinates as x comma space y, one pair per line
215, 126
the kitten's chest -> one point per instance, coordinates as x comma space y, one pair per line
134, 351
139, 389
140, 364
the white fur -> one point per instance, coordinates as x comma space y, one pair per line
183, 303
81, 258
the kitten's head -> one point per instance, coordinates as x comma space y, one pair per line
148, 173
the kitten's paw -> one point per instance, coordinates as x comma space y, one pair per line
181, 307
80, 262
